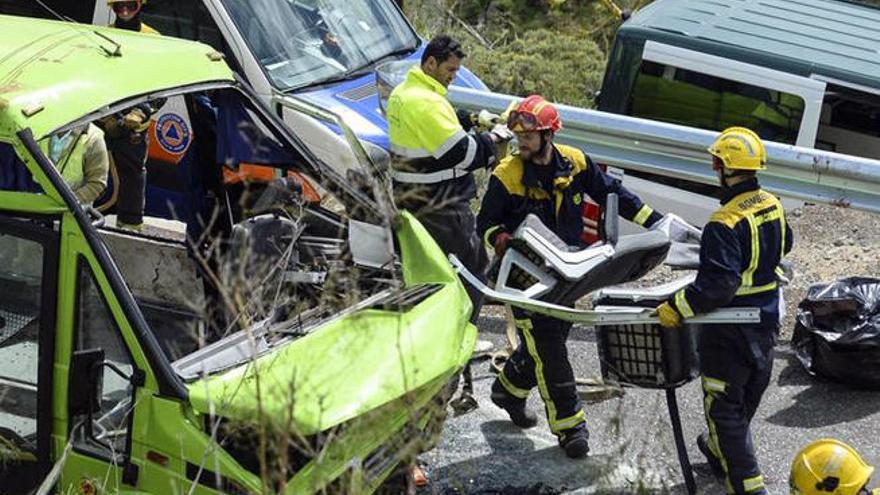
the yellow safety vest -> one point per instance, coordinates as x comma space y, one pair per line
422, 127
70, 165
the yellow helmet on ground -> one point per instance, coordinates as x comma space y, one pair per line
740, 149
828, 467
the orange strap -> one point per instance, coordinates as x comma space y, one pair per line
261, 173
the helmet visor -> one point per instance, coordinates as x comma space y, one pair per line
520, 121
122, 7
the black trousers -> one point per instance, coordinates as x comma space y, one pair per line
736, 363
455, 230
541, 360
130, 156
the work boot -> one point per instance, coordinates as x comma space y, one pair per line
514, 406
713, 461
575, 441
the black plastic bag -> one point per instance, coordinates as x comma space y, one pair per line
837, 332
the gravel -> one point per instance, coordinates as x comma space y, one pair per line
830, 243
631, 443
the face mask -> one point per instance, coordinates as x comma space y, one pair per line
58, 143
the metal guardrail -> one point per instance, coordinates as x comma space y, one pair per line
680, 152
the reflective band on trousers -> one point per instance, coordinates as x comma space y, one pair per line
745, 291
753, 484
515, 391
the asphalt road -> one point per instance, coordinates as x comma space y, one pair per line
632, 448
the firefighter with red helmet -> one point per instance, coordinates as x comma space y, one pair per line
551, 181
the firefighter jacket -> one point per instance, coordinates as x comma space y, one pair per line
135, 24
741, 248
555, 193
432, 155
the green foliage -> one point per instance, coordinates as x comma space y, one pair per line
554, 47
564, 67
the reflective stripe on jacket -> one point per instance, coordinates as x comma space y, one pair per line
428, 145
146, 29
515, 191
741, 248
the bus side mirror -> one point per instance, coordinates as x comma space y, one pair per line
86, 380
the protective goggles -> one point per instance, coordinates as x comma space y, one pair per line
125, 6
522, 121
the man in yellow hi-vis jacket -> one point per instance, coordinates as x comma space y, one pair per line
433, 156
740, 251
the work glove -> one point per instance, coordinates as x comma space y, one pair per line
135, 119
501, 134
501, 241
108, 123
669, 317
488, 120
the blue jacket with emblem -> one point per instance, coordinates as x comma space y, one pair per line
555, 193
741, 248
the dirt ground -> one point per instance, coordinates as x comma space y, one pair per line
481, 453
830, 243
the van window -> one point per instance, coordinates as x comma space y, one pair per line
680, 96
96, 329
21, 280
850, 122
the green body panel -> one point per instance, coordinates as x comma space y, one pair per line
168, 430
397, 352
364, 435
423, 260
63, 68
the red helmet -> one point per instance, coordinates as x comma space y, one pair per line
534, 114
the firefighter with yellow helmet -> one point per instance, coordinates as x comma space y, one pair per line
830, 467
128, 15
741, 248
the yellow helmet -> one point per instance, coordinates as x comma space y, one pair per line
740, 149
828, 467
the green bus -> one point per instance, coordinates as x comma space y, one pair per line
339, 347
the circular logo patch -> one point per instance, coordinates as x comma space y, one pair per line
172, 133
